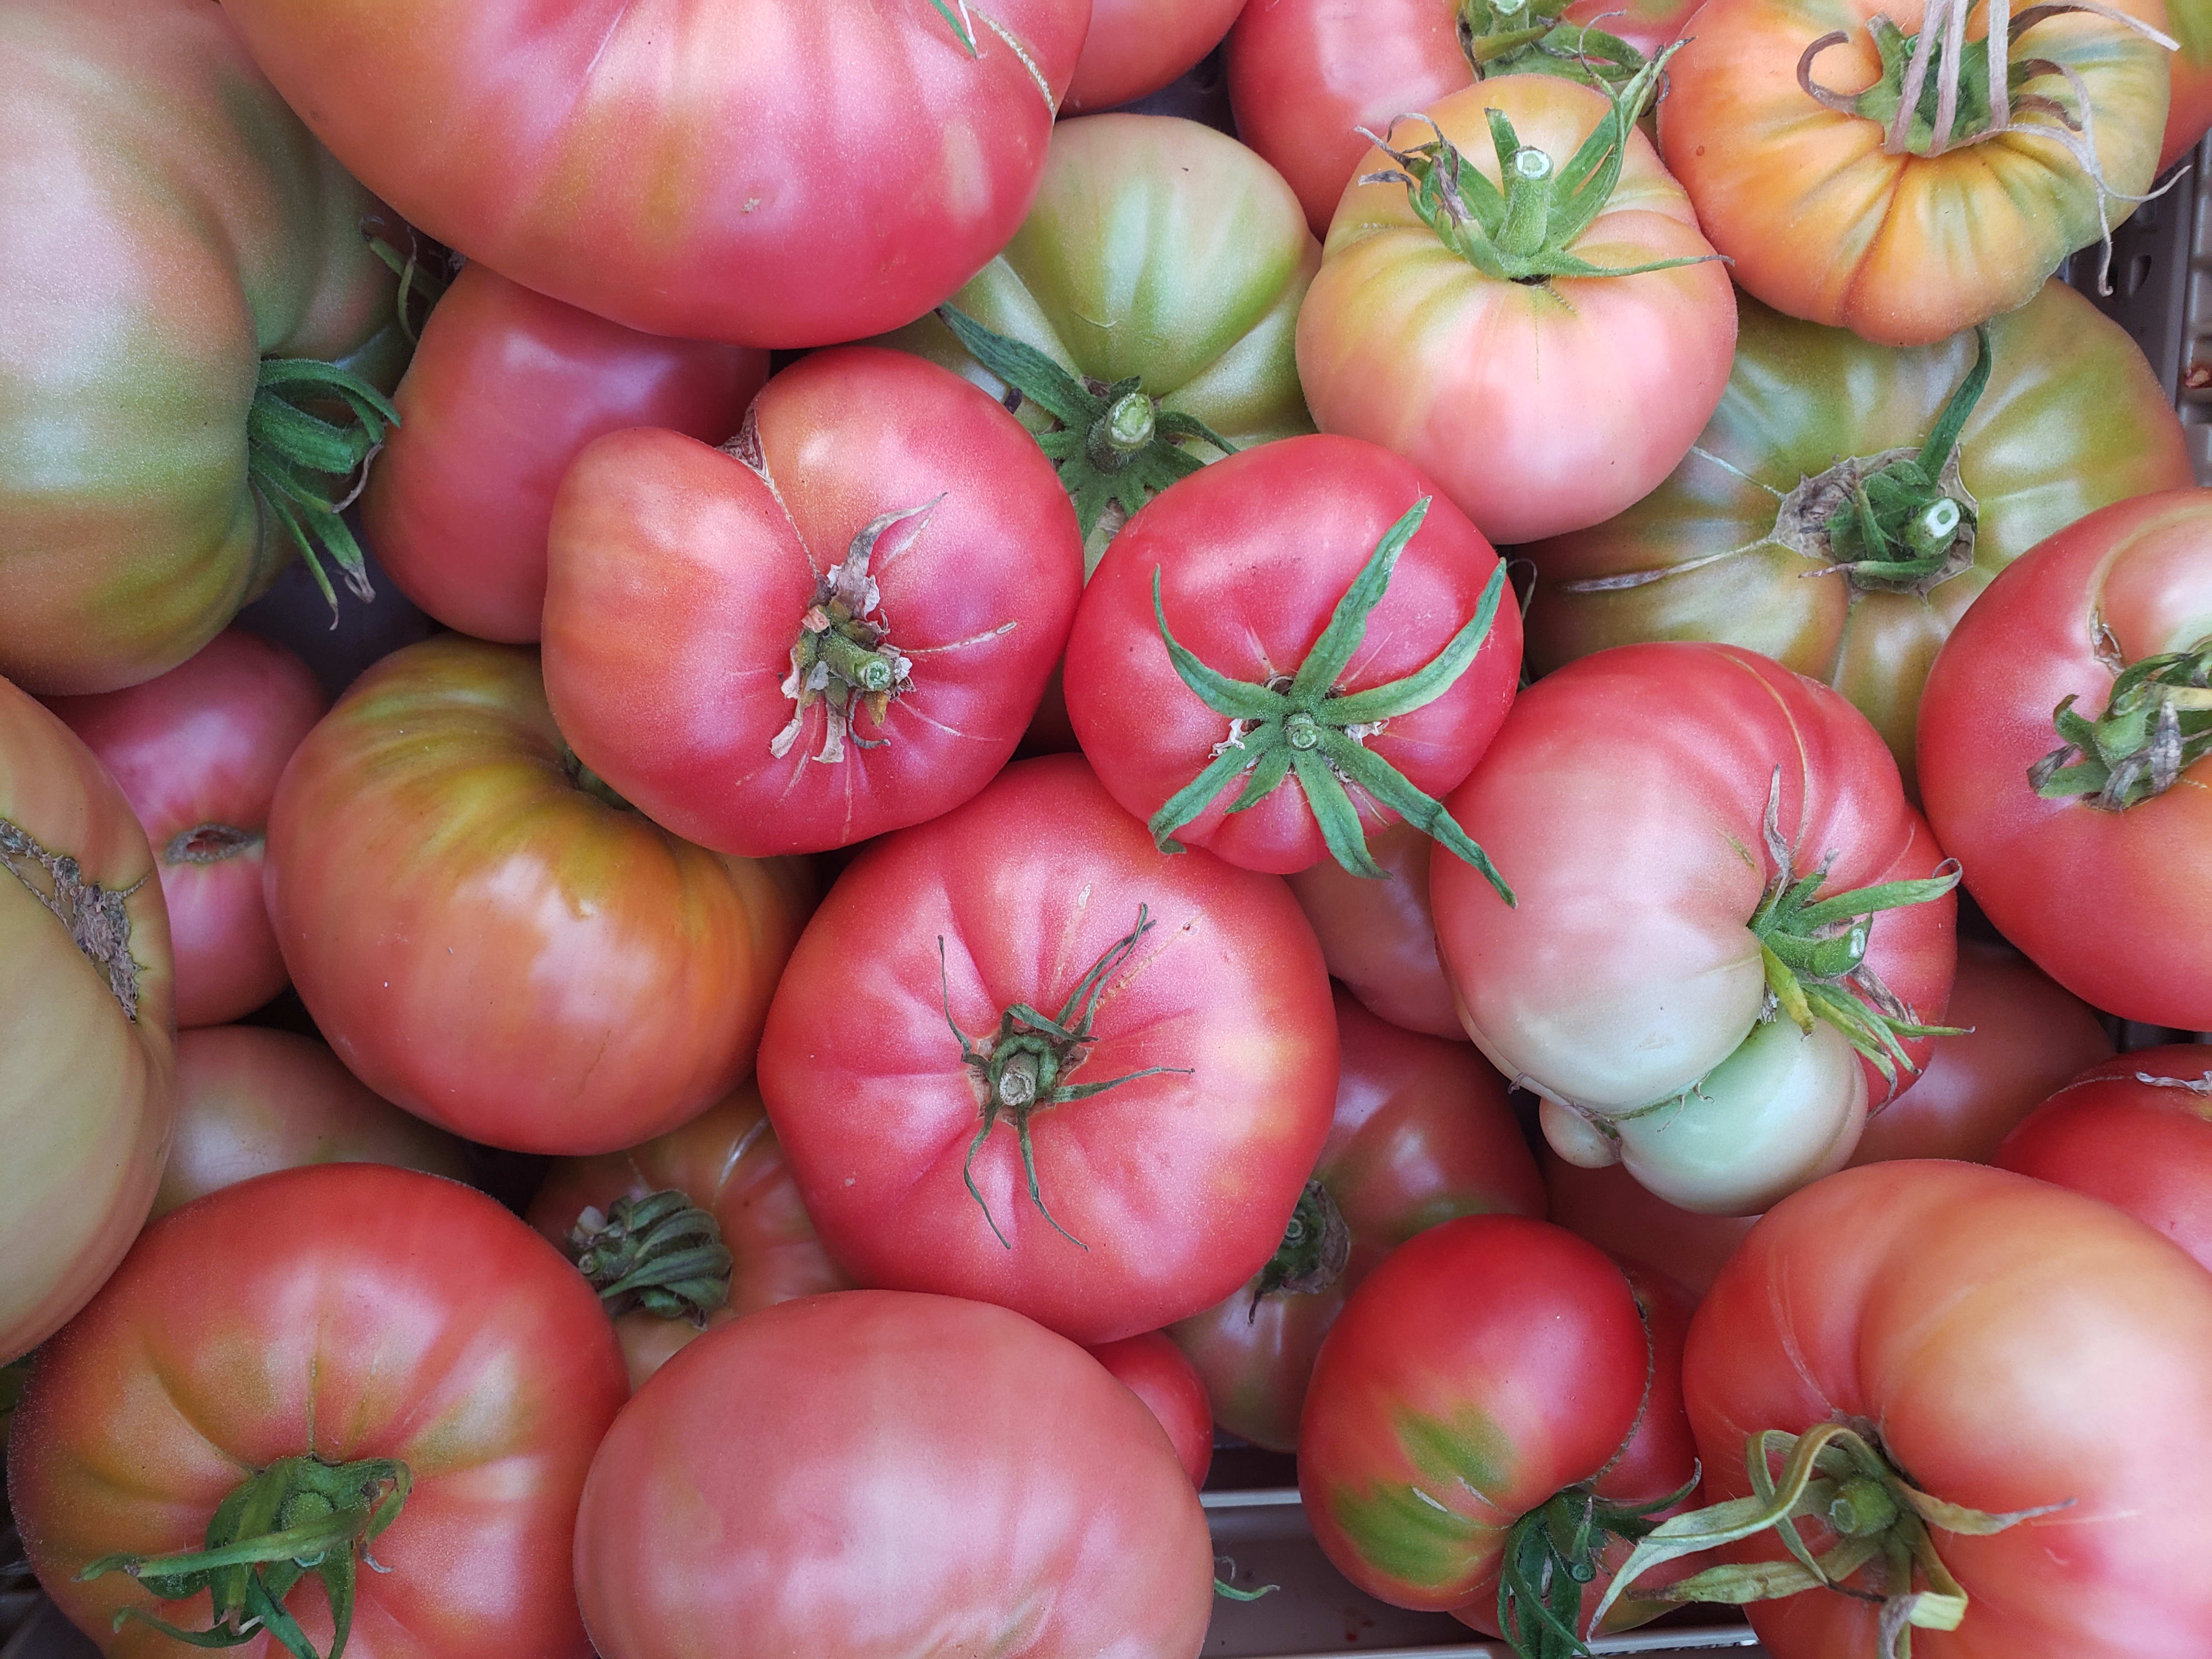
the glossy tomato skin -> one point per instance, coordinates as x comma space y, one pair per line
1609, 1208
1539, 408
1157, 1372
841, 167
1138, 46
1759, 485
1254, 555
199, 751
504, 390
1625, 799
728, 1162
2113, 905
251, 1100
1179, 1185
2018, 1345
87, 1088
492, 946
169, 223
1423, 1134
1379, 937
2188, 109
934, 1476
681, 578
346, 1312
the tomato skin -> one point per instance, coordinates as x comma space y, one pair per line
2114, 906
1158, 1373
1136, 46
348, 1311
942, 1476
1607, 1206
504, 390
2019, 1346
492, 947
203, 746
680, 577
1379, 937
840, 167
1179, 1186
87, 1091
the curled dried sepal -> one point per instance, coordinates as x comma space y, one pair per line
660, 1252
2156, 724
295, 456
1531, 37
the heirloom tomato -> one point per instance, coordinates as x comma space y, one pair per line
180, 254
368, 1368
918, 1475
838, 625
1520, 303
1158, 1373
1848, 502
1607, 1207
1378, 937
2066, 757
1136, 46
1731, 924
1978, 1402
777, 172
487, 938
506, 386
1021, 1055
87, 1040
199, 751
2188, 109
1422, 1134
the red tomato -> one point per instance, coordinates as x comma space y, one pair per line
1609, 1208
838, 626
2189, 110
919, 1475
250, 1101
1665, 812
1138, 46
783, 173
1379, 938
489, 941
311, 1321
2109, 891
1423, 1133
907, 1103
199, 751
506, 387
1158, 1373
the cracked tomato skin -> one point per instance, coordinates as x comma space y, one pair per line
775, 173
681, 576
1179, 1184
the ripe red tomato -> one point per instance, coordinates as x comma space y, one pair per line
1378, 937
1138, 46
199, 751
2088, 837
1609, 1208
353, 1330
506, 387
1158, 1373
837, 627
919, 1474
1027, 977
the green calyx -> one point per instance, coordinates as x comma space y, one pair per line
297, 1516
955, 13
1023, 1069
1302, 725
1523, 230
422, 281
306, 469
843, 658
1552, 1557
1529, 37
1315, 1249
660, 1252
1115, 446
2156, 724
1814, 950
1836, 1475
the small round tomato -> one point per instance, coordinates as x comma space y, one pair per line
1138, 46
1607, 1206
1378, 937
1158, 1373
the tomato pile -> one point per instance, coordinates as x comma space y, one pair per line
1469, 786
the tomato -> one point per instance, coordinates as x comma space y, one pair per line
778, 172
1836, 210
1378, 937
1960, 1336
505, 388
393, 1334
1423, 1133
1136, 46
172, 231
1154, 1033
924, 1475
1754, 540
836, 627
728, 1162
197, 751
1671, 983
87, 1031
489, 942
1493, 1383
1607, 1207
2135, 1131
1540, 374
2087, 838
2188, 109
1158, 1373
